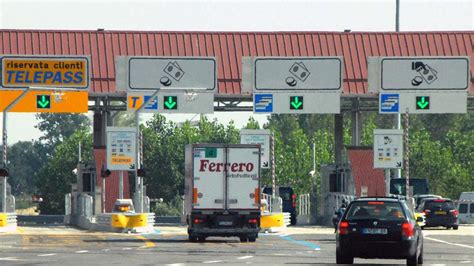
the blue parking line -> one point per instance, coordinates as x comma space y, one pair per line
301, 242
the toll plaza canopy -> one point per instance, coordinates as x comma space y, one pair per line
230, 47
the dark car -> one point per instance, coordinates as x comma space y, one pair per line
288, 200
439, 212
379, 228
421, 197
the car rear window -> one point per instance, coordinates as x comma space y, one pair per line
375, 210
439, 204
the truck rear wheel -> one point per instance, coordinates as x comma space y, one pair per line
243, 238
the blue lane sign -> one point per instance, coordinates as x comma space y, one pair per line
263, 103
389, 103
153, 104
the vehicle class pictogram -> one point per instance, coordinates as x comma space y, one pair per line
425, 73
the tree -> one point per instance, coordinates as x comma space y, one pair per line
57, 127
25, 160
55, 179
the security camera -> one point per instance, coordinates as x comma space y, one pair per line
311, 173
74, 171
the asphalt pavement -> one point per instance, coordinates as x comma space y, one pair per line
169, 245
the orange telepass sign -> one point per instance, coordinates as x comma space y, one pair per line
45, 71
45, 101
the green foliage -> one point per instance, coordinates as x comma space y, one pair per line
57, 127
174, 207
55, 179
26, 159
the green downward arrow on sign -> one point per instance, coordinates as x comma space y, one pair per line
422, 102
170, 103
296, 102
43, 101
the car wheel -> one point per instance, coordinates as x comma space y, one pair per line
420, 256
456, 227
243, 238
252, 238
192, 238
413, 260
343, 259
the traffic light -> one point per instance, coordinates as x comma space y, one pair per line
105, 173
4, 172
141, 172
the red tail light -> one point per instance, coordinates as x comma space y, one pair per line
439, 200
293, 203
198, 221
252, 221
343, 228
454, 212
408, 229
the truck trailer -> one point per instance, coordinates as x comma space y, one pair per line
222, 191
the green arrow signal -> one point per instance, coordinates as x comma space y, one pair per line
422, 102
296, 102
171, 102
43, 101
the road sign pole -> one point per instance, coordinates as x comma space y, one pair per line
120, 184
138, 180
407, 153
5, 145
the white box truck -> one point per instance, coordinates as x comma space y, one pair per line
222, 191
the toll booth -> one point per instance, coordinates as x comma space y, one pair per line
337, 185
86, 187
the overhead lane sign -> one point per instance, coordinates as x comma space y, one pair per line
424, 85
45, 101
425, 73
172, 102
295, 85
302, 73
179, 73
45, 71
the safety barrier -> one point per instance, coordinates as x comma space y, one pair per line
40, 219
124, 222
8, 222
273, 222
274, 204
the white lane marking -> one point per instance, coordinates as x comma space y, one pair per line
438, 264
212, 261
106, 249
449, 243
465, 261
9, 259
47, 255
244, 257
126, 248
280, 254
175, 264
81, 251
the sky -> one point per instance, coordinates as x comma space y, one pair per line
226, 15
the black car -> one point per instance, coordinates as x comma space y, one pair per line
288, 200
439, 212
382, 228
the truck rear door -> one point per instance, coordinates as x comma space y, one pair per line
243, 178
208, 183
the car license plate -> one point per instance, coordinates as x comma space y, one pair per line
440, 212
225, 223
375, 231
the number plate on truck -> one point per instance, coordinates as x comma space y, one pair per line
225, 223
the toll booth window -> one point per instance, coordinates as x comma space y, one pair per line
463, 208
87, 182
472, 208
335, 182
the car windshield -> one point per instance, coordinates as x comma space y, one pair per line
439, 204
379, 210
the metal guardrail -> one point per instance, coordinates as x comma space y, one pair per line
167, 219
40, 219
